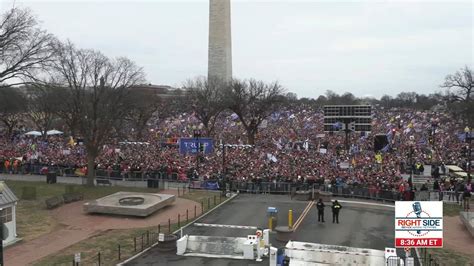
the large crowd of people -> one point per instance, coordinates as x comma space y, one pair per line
290, 146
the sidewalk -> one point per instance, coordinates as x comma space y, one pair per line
28, 252
79, 226
456, 236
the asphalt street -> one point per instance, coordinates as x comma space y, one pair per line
361, 226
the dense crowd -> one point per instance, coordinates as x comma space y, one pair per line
290, 145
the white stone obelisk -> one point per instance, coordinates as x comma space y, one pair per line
220, 42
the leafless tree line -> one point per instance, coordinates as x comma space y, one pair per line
84, 88
251, 100
93, 94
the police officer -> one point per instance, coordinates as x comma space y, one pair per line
336, 207
320, 206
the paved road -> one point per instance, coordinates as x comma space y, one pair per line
360, 226
251, 210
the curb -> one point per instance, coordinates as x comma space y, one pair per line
176, 231
366, 203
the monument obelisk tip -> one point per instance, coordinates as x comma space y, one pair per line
220, 41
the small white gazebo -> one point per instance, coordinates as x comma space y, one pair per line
8, 202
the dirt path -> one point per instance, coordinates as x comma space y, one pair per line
77, 226
28, 252
456, 236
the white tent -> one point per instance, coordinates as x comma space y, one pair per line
53, 132
33, 133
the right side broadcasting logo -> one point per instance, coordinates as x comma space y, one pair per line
418, 224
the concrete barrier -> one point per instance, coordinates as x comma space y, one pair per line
467, 218
212, 246
303, 253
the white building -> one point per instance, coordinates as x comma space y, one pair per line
8, 202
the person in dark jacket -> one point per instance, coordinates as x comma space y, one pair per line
424, 187
320, 206
336, 207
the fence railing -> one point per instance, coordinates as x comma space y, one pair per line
425, 258
281, 187
61, 170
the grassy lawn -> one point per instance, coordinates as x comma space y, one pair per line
443, 256
32, 224
34, 220
44, 190
107, 242
451, 209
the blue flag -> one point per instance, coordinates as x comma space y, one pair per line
386, 148
422, 141
337, 125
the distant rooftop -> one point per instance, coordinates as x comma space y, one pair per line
153, 87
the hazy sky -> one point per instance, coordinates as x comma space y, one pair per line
365, 47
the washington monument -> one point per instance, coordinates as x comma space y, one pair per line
220, 42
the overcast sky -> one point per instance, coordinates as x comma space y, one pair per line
364, 47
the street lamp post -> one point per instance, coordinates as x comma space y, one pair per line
468, 139
223, 160
411, 163
347, 131
197, 135
434, 126
2, 188
224, 181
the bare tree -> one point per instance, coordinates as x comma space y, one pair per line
143, 105
13, 107
252, 101
406, 99
42, 102
98, 88
205, 97
64, 109
461, 81
24, 47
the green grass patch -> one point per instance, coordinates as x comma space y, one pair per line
34, 220
44, 190
208, 199
444, 256
107, 242
451, 209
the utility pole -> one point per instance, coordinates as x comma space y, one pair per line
223, 160
468, 139
433, 133
410, 161
2, 188
347, 124
197, 135
347, 136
